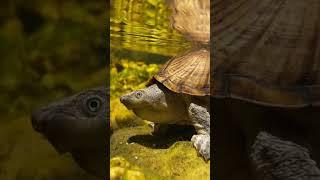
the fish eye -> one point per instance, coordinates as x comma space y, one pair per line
138, 94
93, 104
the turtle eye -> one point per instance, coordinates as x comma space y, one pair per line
93, 104
138, 94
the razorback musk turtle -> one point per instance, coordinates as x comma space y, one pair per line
78, 124
266, 73
178, 94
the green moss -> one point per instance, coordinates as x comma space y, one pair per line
121, 168
158, 157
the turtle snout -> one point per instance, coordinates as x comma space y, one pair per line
125, 100
39, 121
122, 99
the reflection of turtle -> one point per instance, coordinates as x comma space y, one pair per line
178, 94
78, 125
266, 71
192, 19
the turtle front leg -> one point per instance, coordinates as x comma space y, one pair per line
274, 158
200, 118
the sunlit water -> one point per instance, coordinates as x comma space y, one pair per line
143, 26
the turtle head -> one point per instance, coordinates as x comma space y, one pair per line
146, 101
68, 123
76, 124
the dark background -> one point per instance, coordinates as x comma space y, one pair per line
48, 50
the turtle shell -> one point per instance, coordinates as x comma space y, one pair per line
267, 52
188, 73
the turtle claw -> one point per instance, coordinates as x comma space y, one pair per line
202, 144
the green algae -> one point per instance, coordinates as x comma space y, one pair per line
158, 157
121, 168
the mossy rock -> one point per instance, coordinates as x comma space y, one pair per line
122, 169
167, 157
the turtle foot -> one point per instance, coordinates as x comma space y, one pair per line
202, 144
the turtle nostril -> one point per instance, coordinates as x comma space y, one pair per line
122, 99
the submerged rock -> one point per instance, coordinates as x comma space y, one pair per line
136, 154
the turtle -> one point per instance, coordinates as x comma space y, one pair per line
178, 94
266, 64
78, 125
278, 150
